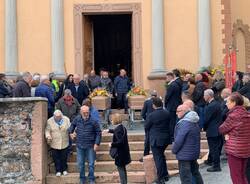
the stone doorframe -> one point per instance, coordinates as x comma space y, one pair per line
106, 8
244, 28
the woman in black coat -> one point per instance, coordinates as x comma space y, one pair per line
120, 143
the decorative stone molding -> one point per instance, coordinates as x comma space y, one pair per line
92, 9
227, 28
244, 28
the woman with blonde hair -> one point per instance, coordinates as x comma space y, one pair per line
119, 148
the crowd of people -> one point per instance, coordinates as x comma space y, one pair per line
193, 103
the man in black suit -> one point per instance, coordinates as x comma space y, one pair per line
157, 124
173, 97
79, 89
198, 99
212, 121
146, 110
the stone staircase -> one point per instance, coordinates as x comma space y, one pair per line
105, 170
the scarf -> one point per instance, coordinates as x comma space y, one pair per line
68, 100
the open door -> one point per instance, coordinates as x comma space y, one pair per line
88, 41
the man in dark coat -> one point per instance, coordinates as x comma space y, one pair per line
198, 99
78, 89
106, 82
212, 121
88, 138
157, 124
186, 144
5, 88
245, 90
45, 90
173, 97
146, 110
122, 87
22, 87
94, 80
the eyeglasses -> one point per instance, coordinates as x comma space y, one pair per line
179, 111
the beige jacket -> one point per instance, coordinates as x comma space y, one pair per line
59, 134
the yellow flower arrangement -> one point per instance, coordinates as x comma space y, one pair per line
137, 91
99, 92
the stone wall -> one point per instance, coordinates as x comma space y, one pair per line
22, 148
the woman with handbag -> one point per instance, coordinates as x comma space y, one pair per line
119, 148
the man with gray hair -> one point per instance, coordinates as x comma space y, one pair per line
245, 90
212, 121
22, 88
45, 90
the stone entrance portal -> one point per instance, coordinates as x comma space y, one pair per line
84, 50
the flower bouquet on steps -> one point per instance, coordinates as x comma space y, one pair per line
136, 98
100, 99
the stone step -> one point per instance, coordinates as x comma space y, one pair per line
101, 178
135, 155
138, 146
138, 137
109, 166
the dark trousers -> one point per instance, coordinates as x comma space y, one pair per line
237, 168
172, 123
123, 174
214, 144
122, 100
160, 161
146, 143
60, 159
189, 171
248, 171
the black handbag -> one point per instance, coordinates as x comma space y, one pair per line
113, 152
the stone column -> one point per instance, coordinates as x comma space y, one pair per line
204, 33
10, 38
158, 64
57, 37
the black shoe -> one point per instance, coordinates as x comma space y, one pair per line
126, 112
214, 169
208, 163
141, 159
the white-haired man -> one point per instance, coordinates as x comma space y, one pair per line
212, 121
57, 136
245, 90
45, 90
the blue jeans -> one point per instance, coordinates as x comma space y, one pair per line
82, 155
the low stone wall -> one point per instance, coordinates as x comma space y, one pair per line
23, 151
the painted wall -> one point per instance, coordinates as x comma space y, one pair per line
1, 36
216, 31
181, 33
34, 46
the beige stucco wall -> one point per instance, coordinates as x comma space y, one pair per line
181, 34
1, 36
216, 33
34, 45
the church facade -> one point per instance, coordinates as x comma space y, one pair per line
146, 37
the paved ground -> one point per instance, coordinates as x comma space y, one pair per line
210, 178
